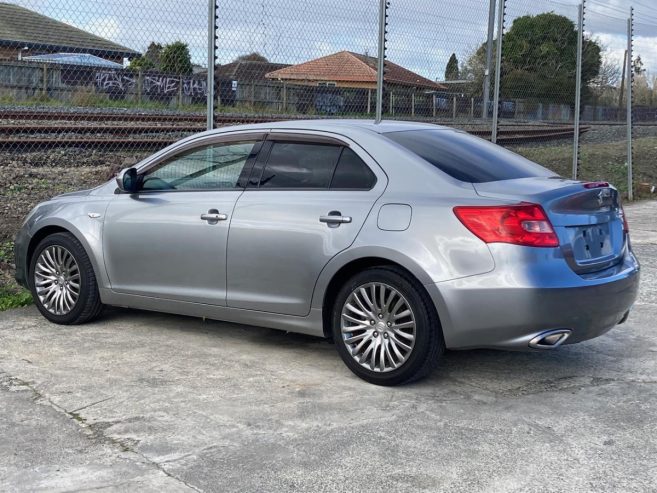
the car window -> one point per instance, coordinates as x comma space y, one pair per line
352, 172
300, 165
465, 157
211, 167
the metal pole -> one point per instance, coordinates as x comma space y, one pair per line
498, 70
578, 87
630, 75
212, 47
489, 58
383, 14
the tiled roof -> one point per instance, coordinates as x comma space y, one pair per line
245, 70
21, 26
346, 66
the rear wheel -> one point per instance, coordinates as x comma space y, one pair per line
63, 282
384, 327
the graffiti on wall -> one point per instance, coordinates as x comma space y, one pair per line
115, 81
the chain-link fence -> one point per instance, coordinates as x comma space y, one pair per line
101, 79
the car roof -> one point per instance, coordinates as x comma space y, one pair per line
328, 124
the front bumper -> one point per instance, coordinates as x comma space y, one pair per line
506, 310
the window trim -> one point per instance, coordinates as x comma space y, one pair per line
291, 137
258, 138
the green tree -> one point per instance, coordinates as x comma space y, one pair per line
175, 59
452, 69
539, 60
251, 57
149, 60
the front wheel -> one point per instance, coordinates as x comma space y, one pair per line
385, 328
63, 282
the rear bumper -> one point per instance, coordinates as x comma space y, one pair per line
506, 310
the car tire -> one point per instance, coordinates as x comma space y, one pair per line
370, 316
63, 282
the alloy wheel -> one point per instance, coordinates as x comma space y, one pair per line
57, 280
378, 327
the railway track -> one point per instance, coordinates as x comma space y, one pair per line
21, 130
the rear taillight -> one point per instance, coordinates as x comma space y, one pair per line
596, 184
521, 224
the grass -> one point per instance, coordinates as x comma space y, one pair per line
12, 298
605, 161
11, 295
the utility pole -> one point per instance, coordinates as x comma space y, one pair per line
498, 70
578, 87
212, 53
383, 24
630, 77
489, 58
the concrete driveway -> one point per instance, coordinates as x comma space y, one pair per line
149, 402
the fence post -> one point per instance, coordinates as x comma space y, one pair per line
212, 57
140, 85
498, 70
471, 108
454, 108
383, 22
369, 101
413, 104
630, 76
489, 56
433, 104
180, 91
284, 97
578, 87
45, 80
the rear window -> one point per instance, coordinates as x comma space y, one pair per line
466, 157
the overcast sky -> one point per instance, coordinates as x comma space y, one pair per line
422, 33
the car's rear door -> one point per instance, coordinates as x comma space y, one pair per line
307, 199
169, 239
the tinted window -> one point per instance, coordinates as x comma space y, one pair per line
211, 167
296, 165
465, 157
352, 172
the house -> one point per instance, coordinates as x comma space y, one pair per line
351, 70
245, 80
346, 82
24, 32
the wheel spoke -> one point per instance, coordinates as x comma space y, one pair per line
368, 302
356, 338
403, 334
397, 342
352, 319
355, 310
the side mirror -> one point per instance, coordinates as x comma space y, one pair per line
126, 180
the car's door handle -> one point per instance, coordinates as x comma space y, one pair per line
334, 219
214, 216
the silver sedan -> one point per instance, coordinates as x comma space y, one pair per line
396, 240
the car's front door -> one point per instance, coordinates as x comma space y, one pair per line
308, 198
169, 239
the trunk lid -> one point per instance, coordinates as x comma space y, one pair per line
587, 218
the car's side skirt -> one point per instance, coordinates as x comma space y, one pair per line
309, 325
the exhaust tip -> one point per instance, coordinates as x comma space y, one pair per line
550, 339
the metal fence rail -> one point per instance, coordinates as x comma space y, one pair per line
571, 84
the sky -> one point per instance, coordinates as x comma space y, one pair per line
422, 34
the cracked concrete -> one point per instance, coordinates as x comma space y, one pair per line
150, 402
